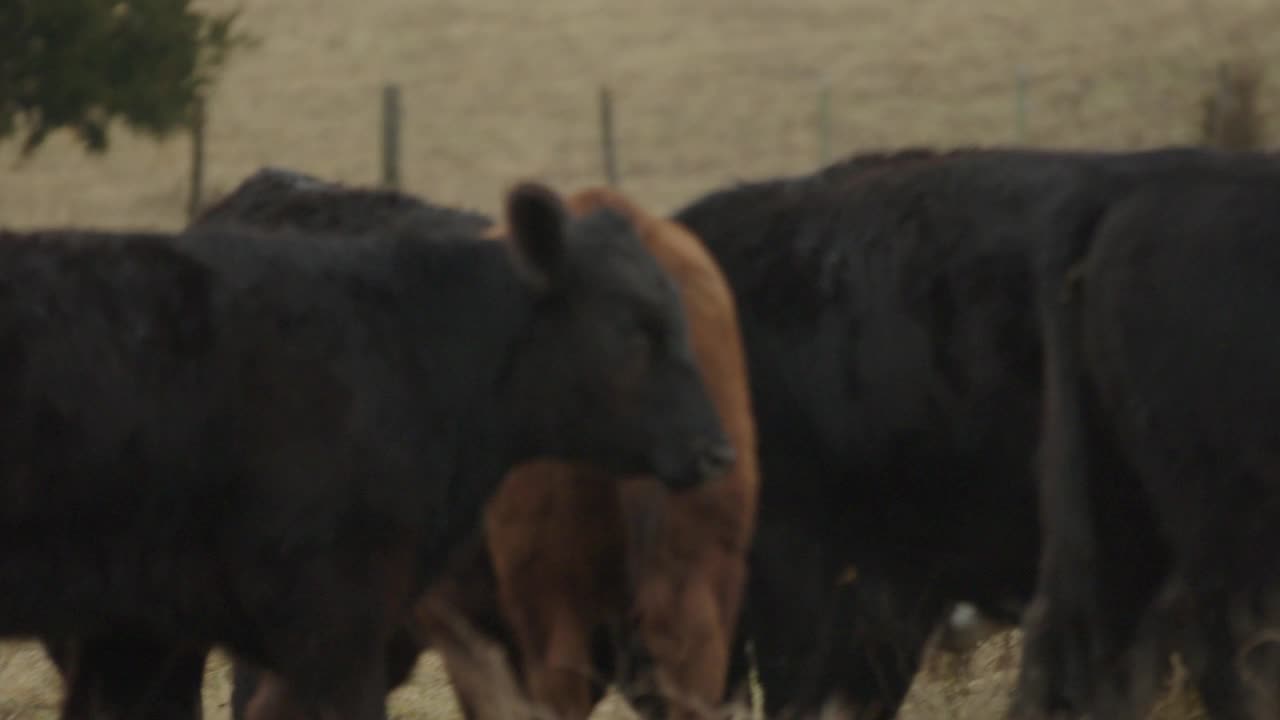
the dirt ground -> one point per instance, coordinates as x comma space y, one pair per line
972, 687
975, 688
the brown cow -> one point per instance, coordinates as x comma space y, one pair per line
574, 558
660, 575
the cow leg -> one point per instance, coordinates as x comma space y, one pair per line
686, 633
553, 547
1059, 627
558, 668
829, 640
245, 686
1233, 646
871, 635
1215, 663
274, 699
360, 694
257, 694
551, 637
128, 675
63, 653
326, 640
481, 673
402, 656
868, 644
782, 612
1258, 659
477, 653
1102, 560
461, 619
270, 697
878, 632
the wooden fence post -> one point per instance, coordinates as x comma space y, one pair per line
1218, 107
607, 141
391, 136
1020, 103
195, 197
824, 124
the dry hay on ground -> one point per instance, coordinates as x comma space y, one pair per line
705, 92
961, 688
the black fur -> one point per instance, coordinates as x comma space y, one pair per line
277, 198
1160, 470
888, 311
273, 440
161, 686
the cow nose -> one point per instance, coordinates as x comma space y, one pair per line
714, 458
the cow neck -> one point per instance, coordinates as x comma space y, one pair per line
480, 309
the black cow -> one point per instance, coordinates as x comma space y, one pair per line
120, 674
887, 306
1161, 448
272, 198
165, 686
275, 198
274, 442
886, 624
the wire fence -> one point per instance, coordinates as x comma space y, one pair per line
671, 152
466, 103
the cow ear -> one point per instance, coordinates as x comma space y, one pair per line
538, 223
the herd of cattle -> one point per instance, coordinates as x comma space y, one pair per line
789, 428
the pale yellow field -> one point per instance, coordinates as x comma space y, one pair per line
707, 91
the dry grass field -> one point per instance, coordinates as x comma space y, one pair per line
973, 688
707, 91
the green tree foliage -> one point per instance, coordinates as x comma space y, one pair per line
80, 64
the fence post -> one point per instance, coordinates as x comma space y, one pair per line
607, 141
1218, 105
824, 124
195, 197
1020, 103
391, 136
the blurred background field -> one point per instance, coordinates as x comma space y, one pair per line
704, 92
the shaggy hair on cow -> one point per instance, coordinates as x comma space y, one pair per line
276, 198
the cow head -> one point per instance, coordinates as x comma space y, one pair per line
605, 372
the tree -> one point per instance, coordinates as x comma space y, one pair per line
80, 64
